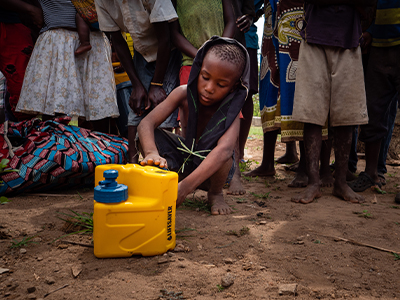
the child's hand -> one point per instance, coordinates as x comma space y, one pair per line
154, 159
244, 23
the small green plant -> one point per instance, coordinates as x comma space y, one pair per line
363, 214
261, 196
4, 200
267, 184
396, 256
195, 204
83, 221
220, 288
244, 230
245, 166
185, 229
318, 242
379, 190
394, 206
24, 242
249, 178
241, 200
3, 169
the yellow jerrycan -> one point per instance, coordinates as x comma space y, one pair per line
134, 210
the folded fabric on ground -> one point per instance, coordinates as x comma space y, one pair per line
53, 155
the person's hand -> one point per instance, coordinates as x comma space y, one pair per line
156, 96
37, 16
366, 42
244, 22
154, 159
138, 98
182, 193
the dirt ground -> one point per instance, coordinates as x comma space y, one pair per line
267, 242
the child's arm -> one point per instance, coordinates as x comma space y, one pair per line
153, 120
139, 93
362, 3
180, 41
212, 163
229, 19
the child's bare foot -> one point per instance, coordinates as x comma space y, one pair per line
326, 179
311, 192
84, 47
301, 180
288, 158
346, 193
261, 171
218, 204
236, 187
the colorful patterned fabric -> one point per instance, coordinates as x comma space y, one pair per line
86, 10
53, 155
280, 53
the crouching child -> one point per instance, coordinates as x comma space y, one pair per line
210, 102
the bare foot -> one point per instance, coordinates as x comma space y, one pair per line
347, 194
287, 158
218, 204
236, 187
85, 47
311, 192
261, 171
326, 179
301, 180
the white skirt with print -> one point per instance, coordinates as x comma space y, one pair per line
57, 81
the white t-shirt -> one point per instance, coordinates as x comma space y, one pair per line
136, 17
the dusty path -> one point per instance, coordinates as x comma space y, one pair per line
267, 242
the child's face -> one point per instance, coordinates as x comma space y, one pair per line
216, 80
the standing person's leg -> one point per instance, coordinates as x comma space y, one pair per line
353, 159
343, 137
382, 83
386, 140
245, 124
325, 172
267, 167
301, 178
312, 145
290, 155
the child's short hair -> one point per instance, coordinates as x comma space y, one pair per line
231, 53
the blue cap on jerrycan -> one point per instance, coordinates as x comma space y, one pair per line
109, 191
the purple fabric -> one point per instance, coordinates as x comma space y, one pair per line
333, 25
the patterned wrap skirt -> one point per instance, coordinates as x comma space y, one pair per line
279, 59
57, 81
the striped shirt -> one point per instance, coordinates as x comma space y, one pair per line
385, 30
58, 13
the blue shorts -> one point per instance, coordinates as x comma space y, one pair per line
145, 72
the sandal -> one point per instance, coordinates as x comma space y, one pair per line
363, 182
382, 178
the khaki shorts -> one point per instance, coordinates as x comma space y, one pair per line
330, 81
